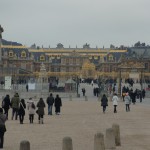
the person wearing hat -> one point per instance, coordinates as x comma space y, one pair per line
127, 100
3, 118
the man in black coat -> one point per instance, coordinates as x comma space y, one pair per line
58, 104
104, 103
6, 105
50, 102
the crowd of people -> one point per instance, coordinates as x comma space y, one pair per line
19, 108
128, 97
135, 95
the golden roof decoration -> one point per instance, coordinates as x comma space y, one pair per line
131, 65
13, 46
88, 65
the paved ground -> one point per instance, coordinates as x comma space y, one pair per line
81, 120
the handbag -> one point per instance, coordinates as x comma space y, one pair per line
37, 111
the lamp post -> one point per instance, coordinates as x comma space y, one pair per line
99, 84
77, 81
141, 81
1, 30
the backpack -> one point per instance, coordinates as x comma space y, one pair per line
33, 106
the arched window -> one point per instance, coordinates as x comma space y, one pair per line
42, 57
90, 57
95, 57
23, 54
110, 58
11, 53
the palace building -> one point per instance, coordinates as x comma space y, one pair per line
23, 62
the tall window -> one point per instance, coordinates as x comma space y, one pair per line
146, 66
74, 61
67, 61
23, 54
67, 69
42, 57
110, 58
11, 54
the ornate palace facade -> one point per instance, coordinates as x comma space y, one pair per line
23, 62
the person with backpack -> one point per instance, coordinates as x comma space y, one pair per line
50, 102
15, 105
21, 110
31, 109
6, 105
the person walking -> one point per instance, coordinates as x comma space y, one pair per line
31, 109
15, 105
83, 91
21, 111
140, 96
127, 100
27, 88
133, 96
143, 93
58, 104
104, 103
115, 100
3, 118
50, 102
6, 105
40, 111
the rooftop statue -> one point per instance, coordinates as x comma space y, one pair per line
1, 30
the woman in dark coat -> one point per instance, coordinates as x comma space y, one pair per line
6, 104
104, 103
40, 111
58, 104
21, 111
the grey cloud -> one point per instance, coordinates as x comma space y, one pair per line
74, 22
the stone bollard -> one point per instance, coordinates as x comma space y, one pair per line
86, 99
24, 145
99, 142
116, 129
67, 143
110, 139
70, 97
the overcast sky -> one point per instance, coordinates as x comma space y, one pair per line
76, 22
